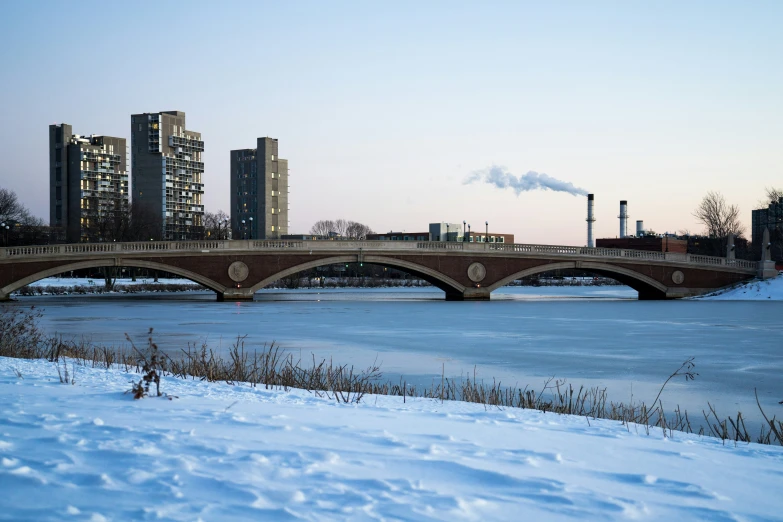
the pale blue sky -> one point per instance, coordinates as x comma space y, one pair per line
384, 109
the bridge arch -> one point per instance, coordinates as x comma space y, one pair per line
437, 279
646, 286
126, 262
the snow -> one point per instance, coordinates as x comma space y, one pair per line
213, 451
756, 290
71, 282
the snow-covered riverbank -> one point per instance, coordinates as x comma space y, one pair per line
72, 285
81, 286
71, 282
770, 289
218, 452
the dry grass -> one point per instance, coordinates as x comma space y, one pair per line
271, 367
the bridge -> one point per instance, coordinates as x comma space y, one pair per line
235, 270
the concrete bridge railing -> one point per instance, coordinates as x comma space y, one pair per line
81, 249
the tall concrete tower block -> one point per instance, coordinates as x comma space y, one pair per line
259, 192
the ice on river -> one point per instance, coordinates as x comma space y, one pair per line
593, 336
88, 451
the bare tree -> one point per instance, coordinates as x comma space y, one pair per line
111, 225
11, 209
32, 230
323, 227
341, 227
123, 223
132, 223
145, 224
216, 225
720, 218
23, 227
356, 230
772, 195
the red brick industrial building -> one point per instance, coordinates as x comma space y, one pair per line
473, 237
650, 243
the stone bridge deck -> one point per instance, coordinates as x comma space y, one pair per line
236, 269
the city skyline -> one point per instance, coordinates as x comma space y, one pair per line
385, 113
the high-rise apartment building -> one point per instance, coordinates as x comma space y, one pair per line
167, 174
259, 192
88, 183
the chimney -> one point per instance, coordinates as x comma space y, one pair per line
623, 218
590, 219
639, 228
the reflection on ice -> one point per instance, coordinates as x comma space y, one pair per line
597, 336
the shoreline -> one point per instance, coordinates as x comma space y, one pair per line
54, 286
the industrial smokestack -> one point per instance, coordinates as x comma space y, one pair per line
590, 219
639, 228
623, 218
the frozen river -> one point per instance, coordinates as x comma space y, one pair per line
587, 335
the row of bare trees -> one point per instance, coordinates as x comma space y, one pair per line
19, 220
217, 225
139, 224
133, 223
718, 217
341, 228
721, 219
11, 209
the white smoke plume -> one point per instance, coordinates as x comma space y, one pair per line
502, 178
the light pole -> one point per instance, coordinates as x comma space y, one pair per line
251, 227
468, 231
463, 230
244, 230
3, 229
225, 228
447, 231
486, 235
